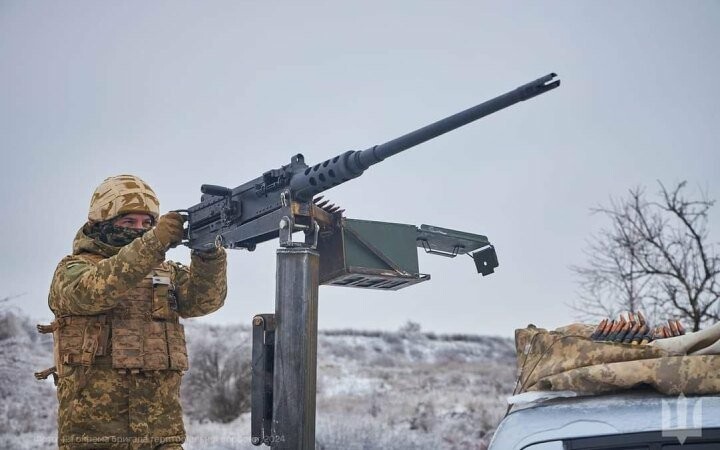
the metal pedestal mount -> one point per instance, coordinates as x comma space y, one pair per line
285, 343
337, 252
285, 355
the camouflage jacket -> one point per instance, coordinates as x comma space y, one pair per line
99, 407
83, 287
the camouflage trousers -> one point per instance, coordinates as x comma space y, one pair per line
101, 408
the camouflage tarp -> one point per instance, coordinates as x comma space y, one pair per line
568, 360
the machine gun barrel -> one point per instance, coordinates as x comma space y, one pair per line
352, 164
527, 91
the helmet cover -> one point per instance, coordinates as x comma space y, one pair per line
122, 194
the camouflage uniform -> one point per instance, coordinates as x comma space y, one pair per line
119, 347
568, 360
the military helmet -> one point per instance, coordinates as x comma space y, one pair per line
122, 194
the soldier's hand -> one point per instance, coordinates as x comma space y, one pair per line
169, 229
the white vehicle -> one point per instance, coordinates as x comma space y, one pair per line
629, 421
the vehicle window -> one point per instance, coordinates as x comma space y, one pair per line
552, 445
705, 439
702, 446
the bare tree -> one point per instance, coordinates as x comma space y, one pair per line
218, 386
656, 256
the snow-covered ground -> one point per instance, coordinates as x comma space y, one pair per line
398, 390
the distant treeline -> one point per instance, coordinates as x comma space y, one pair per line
455, 337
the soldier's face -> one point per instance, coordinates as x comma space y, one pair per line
135, 221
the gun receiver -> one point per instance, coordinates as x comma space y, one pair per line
251, 213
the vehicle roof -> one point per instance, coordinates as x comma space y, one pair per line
632, 412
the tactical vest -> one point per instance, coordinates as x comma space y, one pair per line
142, 333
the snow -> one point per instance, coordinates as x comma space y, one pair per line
375, 389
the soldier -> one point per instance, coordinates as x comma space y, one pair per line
119, 346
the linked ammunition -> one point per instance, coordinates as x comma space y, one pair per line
641, 318
624, 331
681, 328
633, 333
598, 331
632, 319
657, 333
616, 329
606, 330
645, 335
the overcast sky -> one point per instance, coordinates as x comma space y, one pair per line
186, 93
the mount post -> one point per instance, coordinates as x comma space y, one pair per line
295, 366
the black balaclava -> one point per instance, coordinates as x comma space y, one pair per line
114, 235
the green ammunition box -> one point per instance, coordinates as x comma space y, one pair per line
367, 254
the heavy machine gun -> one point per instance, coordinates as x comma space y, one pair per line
281, 199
